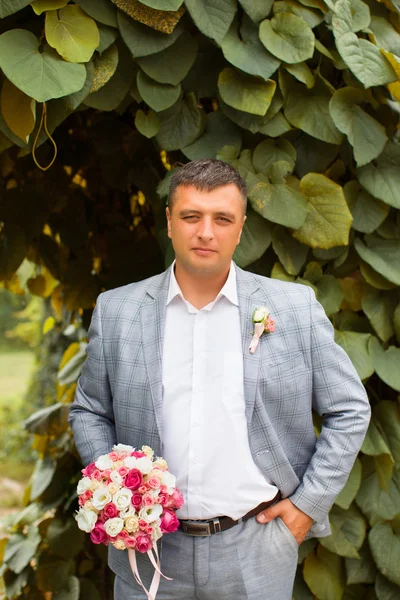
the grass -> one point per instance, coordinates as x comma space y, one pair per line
15, 371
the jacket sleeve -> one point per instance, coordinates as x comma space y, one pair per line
91, 414
341, 400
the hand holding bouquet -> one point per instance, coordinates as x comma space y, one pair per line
128, 499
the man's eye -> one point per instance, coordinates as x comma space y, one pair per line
190, 217
224, 219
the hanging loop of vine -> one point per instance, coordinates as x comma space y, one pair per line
43, 124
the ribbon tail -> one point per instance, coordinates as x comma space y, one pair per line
258, 331
254, 344
156, 563
134, 567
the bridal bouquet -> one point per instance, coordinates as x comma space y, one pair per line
128, 499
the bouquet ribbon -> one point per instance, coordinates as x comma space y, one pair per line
258, 331
155, 561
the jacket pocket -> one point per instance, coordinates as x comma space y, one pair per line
274, 369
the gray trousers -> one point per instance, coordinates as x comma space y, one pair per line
250, 561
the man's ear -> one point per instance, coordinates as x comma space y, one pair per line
168, 215
241, 231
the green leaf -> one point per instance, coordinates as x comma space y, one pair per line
365, 134
309, 111
48, 420
245, 92
387, 413
385, 35
382, 255
287, 37
159, 96
382, 179
311, 17
9, 7
374, 443
291, 253
364, 59
101, 10
379, 308
181, 124
278, 203
375, 279
105, 66
375, 502
270, 151
360, 14
21, 548
246, 52
173, 63
108, 35
302, 72
348, 531
42, 476
328, 221
41, 75
69, 591
219, 132
72, 33
65, 539
257, 9
147, 124
356, 346
40, 6
396, 322
386, 363
330, 294
163, 4
386, 590
324, 575
361, 570
385, 548
367, 212
276, 126
212, 17
18, 110
255, 239
142, 40
349, 492
52, 575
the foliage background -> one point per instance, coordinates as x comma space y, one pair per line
301, 97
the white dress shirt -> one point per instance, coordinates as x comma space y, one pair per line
205, 439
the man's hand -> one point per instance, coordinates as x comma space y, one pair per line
295, 519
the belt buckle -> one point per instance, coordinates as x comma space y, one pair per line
195, 528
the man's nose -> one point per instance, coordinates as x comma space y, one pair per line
205, 230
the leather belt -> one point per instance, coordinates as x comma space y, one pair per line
218, 524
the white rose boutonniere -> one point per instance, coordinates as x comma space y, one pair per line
262, 324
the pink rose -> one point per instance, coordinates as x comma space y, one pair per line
162, 499
269, 325
106, 474
154, 482
110, 511
98, 534
123, 535
96, 474
130, 542
144, 488
149, 530
123, 454
148, 500
114, 456
84, 497
133, 479
136, 500
87, 471
163, 489
169, 521
178, 498
143, 542
123, 471
137, 454
142, 524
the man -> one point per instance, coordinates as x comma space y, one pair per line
169, 366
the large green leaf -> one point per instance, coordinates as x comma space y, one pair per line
64, 539
310, 16
356, 346
172, 64
212, 17
387, 413
330, 294
246, 52
255, 239
360, 14
245, 92
142, 40
303, 73
349, 492
159, 96
362, 57
382, 255
287, 37
348, 531
366, 135
270, 151
69, 591
385, 548
48, 420
41, 75
324, 574
363, 569
379, 307
101, 10
328, 220
9, 7
181, 124
385, 35
257, 9
163, 4
382, 179
374, 444
386, 590
148, 124
40, 6
42, 476
367, 212
72, 33
386, 362
219, 132
377, 503
278, 203
309, 111
291, 253
21, 548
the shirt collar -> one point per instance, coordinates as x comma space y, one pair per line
229, 289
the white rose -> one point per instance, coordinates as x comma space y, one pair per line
123, 448
104, 462
150, 513
129, 511
95, 485
84, 484
130, 462
148, 451
114, 526
119, 545
86, 519
116, 477
122, 499
101, 497
157, 533
144, 464
169, 480
260, 314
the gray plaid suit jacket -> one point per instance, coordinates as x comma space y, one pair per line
294, 369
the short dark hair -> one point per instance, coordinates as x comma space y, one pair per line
206, 174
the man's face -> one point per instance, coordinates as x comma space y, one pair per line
205, 227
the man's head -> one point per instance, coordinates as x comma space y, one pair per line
206, 213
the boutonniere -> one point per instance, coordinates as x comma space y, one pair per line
262, 324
